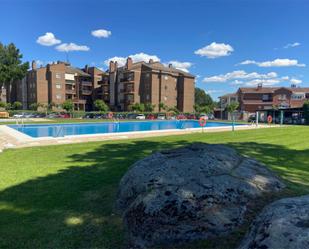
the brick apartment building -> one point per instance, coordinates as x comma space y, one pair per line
263, 99
119, 87
56, 83
150, 82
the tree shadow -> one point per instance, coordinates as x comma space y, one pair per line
74, 208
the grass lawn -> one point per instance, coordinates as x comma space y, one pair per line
63, 196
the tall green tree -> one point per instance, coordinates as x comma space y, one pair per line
100, 105
68, 105
11, 66
149, 107
306, 112
202, 98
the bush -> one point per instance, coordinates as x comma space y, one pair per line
100, 105
306, 112
68, 105
17, 105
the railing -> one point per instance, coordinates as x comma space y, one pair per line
86, 92
86, 83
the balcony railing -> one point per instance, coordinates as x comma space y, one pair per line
86, 83
128, 90
70, 91
104, 81
86, 92
129, 78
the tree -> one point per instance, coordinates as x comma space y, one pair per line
173, 109
162, 106
100, 105
149, 107
232, 107
68, 105
2, 105
17, 105
139, 107
11, 66
8, 106
202, 98
34, 106
306, 112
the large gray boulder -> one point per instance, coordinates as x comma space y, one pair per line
196, 192
283, 224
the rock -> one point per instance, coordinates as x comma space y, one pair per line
283, 224
196, 192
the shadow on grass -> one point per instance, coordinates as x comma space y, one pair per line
74, 207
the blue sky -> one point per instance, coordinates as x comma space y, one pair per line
227, 44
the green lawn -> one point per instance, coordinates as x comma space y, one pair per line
63, 196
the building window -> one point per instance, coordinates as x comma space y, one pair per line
282, 97
147, 75
166, 77
298, 96
58, 96
147, 97
265, 97
58, 75
58, 85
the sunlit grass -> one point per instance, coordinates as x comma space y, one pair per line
63, 196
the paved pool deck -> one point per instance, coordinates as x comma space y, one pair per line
11, 138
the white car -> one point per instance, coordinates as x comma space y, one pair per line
140, 116
204, 116
19, 115
161, 116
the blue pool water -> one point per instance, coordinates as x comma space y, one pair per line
60, 130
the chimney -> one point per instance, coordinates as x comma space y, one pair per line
260, 86
86, 68
170, 65
129, 63
33, 65
111, 67
115, 66
150, 61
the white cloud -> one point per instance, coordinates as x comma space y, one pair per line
274, 63
265, 82
39, 63
48, 39
239, 74
213, 91
285, 78
295, 81
101, 33
135, 57
184, 66
215, 50
292, 45
68, 47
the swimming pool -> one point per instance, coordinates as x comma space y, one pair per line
61, 130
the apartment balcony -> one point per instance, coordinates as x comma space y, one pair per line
128, 101
79, 101
128, 79
128, 90
86, 83
70, 82
86, 92
104, 81
70, 91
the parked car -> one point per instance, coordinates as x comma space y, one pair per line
204, 116
151, 117
89, 116
191, 116
63, 115
161, 116
181, 117
140, 117
20, 115
131, 116
211, 116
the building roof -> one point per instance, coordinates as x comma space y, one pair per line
258, 89
159, 66
75, 70
229, 95
272, 89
